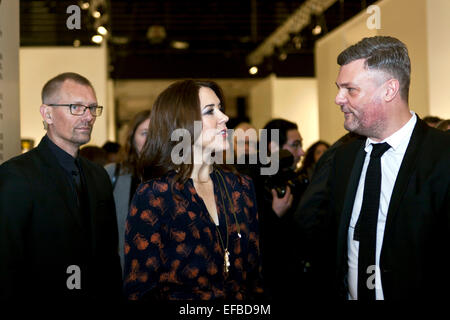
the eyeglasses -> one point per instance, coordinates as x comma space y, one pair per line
80, 109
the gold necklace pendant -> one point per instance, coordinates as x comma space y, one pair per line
227, 260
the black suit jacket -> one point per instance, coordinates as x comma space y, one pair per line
41, 234
416, 244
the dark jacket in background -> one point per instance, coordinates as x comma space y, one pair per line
282, 253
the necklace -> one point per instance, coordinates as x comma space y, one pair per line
226, 256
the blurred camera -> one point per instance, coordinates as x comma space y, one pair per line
285, 176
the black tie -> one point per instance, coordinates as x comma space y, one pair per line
366, 226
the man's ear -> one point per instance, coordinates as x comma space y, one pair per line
46, 113
392, 89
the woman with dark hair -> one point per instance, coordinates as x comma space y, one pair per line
123, 174
443, 125
313, 155
192, 228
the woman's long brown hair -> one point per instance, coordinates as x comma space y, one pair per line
177, 107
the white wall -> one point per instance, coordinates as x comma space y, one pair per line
38, 65
261, 101
438, 28
293, 99
9, 80
110, 115
411, 29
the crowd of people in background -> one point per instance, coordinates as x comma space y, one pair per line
132, 223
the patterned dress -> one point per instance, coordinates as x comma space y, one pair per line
173, 250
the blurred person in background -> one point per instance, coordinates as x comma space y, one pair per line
123, 174
112, 151
245, 146
94, 154
312, 156
444, 125
277, 196
432, 121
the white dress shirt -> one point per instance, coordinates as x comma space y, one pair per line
390, 165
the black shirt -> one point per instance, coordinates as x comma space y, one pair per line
74, 173
67, 162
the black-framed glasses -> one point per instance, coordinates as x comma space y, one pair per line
77, 109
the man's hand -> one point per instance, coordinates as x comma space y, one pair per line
281, 205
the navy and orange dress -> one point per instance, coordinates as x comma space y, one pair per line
175, 251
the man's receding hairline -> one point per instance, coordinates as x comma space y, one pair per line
56, 94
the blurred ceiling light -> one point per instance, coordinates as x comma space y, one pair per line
85, 5
182, 45
96, 14
102, 30
156, 34
76, 43
282, 56
297, 41
119, 40
253, 70
317, 30
97, 39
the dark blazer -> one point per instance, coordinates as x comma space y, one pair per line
41, 234
416, 245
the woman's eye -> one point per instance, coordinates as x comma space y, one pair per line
208, 111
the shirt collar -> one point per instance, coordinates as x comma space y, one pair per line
399, 136
64, 159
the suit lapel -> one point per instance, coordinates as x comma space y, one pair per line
406, 169
90, 193
57, 182
350, 193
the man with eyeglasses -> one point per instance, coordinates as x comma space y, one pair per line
58, 230
280, 265
290, 139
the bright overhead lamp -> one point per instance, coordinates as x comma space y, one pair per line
253, 70
182, 45
85, 5
317, 30
102, 30
97, 39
